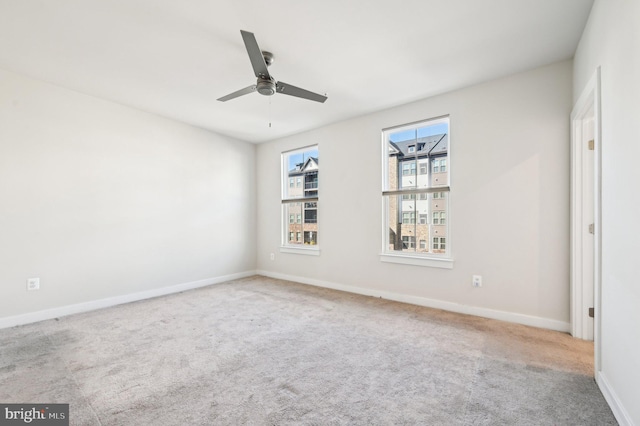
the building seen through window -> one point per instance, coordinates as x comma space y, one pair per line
300, 200
416, 189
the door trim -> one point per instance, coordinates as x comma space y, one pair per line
589, 98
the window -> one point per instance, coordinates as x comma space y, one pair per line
408, 195
408, 242
310, 215
311, 182
310, 238
409, 168
439, 165
300, 198
409, 217
438, 195
439, 218
439, 243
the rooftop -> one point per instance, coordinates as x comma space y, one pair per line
429, 145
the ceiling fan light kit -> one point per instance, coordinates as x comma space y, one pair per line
267, 85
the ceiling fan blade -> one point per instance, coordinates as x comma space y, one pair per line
288, 89
255, 55
240, 92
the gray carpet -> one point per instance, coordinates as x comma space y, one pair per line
259, 351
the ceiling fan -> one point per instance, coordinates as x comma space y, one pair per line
266, 84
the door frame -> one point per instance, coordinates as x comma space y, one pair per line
589, 98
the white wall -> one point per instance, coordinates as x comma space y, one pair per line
509, 171
101, 200
612, 40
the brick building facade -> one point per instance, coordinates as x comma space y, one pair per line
418, 221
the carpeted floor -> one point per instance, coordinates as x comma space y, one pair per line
260, 351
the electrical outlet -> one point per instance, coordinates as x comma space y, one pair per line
273, 256
33, 284
477, 281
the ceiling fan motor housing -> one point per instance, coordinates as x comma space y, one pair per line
266, 87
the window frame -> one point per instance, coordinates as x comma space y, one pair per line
299, 247
429, 259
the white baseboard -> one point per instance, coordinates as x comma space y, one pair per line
430, 303
116, 300
398, 297
610, 396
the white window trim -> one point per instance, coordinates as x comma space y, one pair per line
418, 260
309, 251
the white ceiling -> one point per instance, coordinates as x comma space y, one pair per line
175, 58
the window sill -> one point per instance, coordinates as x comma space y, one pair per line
308, 251
407, 259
